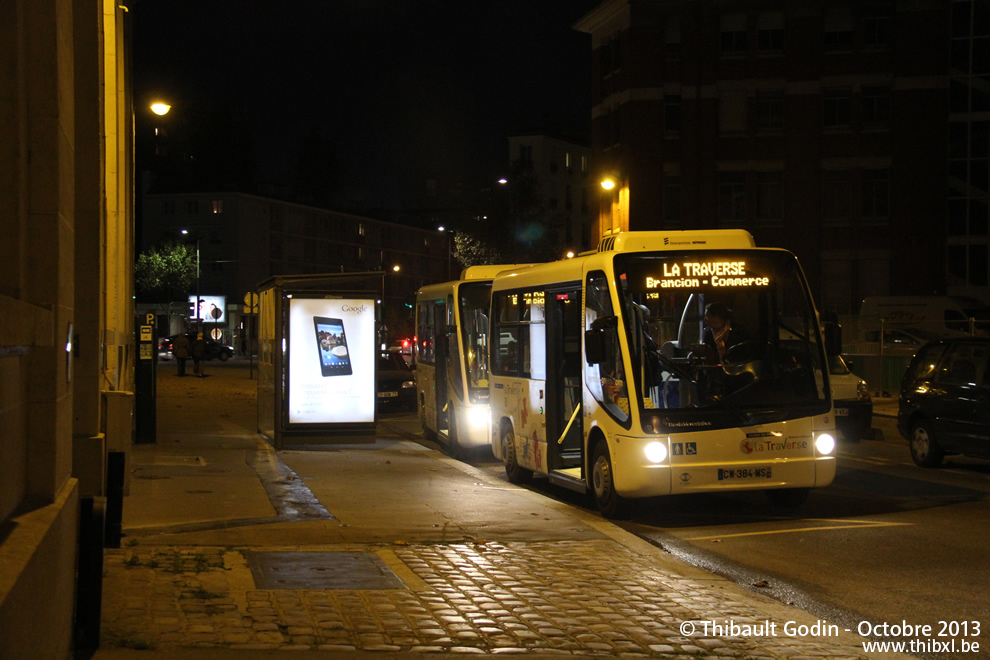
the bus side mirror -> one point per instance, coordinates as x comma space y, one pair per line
594, 339
833, 338
594, 346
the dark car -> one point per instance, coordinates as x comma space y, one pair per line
214, 349
395, 382
944, 402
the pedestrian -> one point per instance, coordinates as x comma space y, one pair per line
198, 353
180, 349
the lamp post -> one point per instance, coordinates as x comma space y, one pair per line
199, 320
443, 230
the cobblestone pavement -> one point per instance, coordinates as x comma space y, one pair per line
596, 598
434, 564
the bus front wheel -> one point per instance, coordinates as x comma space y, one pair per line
610, 503
515, 473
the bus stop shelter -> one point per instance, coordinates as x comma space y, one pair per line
317, 356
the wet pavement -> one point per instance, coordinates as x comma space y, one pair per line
391, 549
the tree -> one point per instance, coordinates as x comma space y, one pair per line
165, 273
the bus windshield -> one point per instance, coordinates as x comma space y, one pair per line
732, 331
474, 302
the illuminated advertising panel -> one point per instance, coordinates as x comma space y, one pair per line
331, 356
212, 309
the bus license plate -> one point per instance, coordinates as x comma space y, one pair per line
842, 412
733, 474
387, 395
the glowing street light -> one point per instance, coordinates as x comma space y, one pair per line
160, 108
608, 183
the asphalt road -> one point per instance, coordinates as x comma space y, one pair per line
887, 542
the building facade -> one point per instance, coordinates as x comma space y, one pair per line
66, 312
850, 132
245, 239
561, 170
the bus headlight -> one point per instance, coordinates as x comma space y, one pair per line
825, 444
478, 417
656, 452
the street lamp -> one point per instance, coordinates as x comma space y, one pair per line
199, 320
443, 230
160, 108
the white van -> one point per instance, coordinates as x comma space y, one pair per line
939, 315
851, 400
908, 322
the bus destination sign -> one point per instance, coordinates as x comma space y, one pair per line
693, 274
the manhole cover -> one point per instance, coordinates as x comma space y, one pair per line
321, 570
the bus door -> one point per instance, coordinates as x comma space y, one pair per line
444, 337
564, 415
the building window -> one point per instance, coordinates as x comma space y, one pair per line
836, 108
732, 39
769, 198
876, 27
968, 264
192, 207
360, 229
769, 110
876, 106
168, 208
876, 196
732, 111
838, 29
835, 198
770, 33
525, 153
584, 164
217, 206
671, 200
610, 53
672, 115
611, 129
568, 203
731, 198
672, 40
567, 161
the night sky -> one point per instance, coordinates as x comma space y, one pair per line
406, 90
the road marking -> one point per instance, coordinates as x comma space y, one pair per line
846, 524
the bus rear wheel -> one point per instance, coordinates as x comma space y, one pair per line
515, 473
610, 503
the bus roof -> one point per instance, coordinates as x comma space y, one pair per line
692, 239
632, 241
488, 272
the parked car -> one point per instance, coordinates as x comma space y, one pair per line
214, 349
395, 382
852, 402
404, 348
944, 402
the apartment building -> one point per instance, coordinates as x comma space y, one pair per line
852, 132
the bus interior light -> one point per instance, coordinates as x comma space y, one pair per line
825, 444
656, 452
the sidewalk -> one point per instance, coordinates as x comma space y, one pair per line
389, 549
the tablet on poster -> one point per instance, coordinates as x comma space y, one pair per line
331, 347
